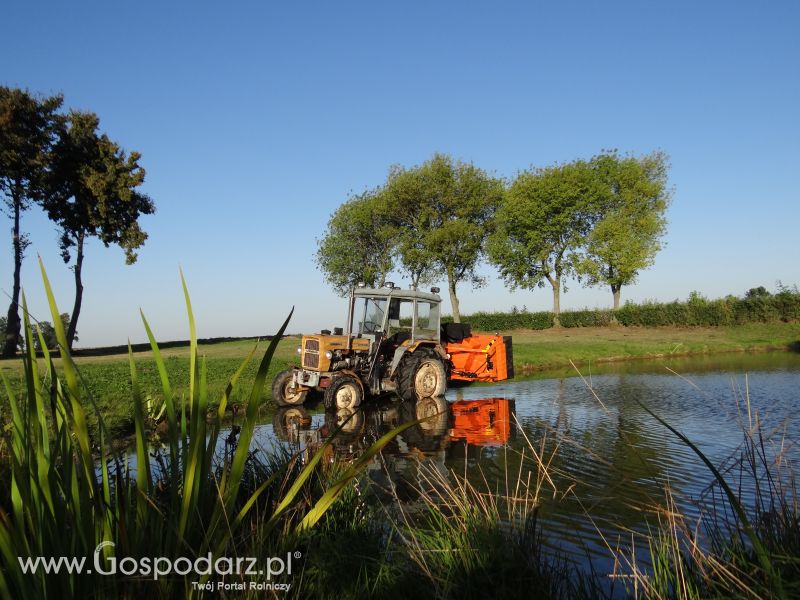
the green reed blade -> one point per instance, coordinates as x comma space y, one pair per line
169, 401
143, 478
192, 340
246, 434
223, 404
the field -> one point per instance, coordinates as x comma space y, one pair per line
108, 377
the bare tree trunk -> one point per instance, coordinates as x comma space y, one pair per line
76, 308
13, 325
451, 285
555, 282
616, 289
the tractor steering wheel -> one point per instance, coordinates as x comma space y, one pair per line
370, 327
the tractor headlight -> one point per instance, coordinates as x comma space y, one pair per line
299, 349
329, 355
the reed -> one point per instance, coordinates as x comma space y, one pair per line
196, 494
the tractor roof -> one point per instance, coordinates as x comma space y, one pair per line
363, 292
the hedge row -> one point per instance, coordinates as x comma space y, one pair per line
697, 311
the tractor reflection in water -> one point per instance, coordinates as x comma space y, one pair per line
446, 430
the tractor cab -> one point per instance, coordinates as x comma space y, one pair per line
394, 315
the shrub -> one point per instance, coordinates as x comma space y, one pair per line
757, 306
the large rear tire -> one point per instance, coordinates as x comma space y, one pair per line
422, 376
344, 392
283, 393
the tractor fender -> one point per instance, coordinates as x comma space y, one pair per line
398, 355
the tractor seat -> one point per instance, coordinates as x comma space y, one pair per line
400, 337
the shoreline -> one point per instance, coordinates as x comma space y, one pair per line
530, 369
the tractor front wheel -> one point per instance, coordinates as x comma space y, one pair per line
284, 393
344, 392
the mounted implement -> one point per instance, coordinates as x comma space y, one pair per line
393, 342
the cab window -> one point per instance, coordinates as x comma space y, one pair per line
370, 314
401, 313
427, 320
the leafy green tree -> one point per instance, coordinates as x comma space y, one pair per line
626, 237
358, 243
28, 131
542, 224
443, 211
407, 193
97, 196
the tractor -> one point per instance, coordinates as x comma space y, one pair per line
393, 342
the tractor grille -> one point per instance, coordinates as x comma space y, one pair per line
311, 354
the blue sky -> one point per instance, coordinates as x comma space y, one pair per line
255, 120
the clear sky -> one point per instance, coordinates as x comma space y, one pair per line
255, 120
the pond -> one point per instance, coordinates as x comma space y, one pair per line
610, 461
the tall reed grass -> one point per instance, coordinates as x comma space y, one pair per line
68, 493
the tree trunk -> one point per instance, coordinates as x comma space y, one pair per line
556, 284
13, 326
451, 285
615, 290
76, 308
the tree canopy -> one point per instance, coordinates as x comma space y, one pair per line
542, 225
96, 195
443, 211
626, 235
358, 243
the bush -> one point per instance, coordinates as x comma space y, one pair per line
586, 318
757, 306
499, 321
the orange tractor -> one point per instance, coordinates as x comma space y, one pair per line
393, 342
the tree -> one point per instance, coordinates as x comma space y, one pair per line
28, 131
49, 333
443, 211
541, 225
358, 243
97, 196
407, 194
625, 238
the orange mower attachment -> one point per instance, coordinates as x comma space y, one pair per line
481, 358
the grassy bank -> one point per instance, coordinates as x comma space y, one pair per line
554, 348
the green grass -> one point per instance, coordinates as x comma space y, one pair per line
554, 348
108, 378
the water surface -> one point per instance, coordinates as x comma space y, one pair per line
610, 461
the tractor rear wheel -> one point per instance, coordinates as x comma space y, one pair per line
283, 391
422, 376
344, 392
